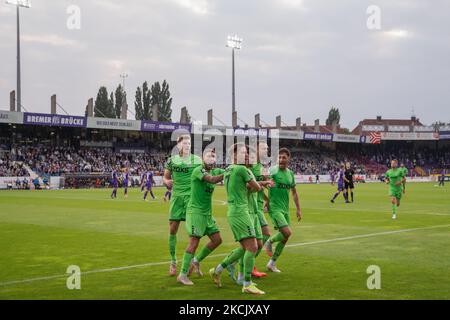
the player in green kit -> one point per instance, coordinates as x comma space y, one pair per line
395, 177
239, 181
256, 211
405, 174
284, 181
199, 220
263, 179
177, 175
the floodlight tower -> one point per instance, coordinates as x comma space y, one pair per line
18, 4
235, 43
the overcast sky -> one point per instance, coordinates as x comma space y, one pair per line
299, 57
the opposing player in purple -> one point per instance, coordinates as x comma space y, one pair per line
149, 181
143, 181
126, 177
115, 183
168, 194
340, 183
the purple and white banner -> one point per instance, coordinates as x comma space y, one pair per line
318, 136
147, 125
251, 132
44, 119
444, 135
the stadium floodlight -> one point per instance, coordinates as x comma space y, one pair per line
235, 43
18, 4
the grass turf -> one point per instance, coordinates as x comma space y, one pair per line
43, 232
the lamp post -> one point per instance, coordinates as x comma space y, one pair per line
18, 4
235, 43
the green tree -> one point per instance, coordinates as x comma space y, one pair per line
160, 95
102, 106
111, 111
139, 110
147, 102
333, 115
188, 116
120, 97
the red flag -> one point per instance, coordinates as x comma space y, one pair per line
375, 137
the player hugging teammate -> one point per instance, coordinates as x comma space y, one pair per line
193, 180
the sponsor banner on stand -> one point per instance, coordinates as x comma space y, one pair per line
147, 125
44, 119
409, 136
11, 117
290, 134
318, 136
251, 132
346, 138
118, 124
444, 135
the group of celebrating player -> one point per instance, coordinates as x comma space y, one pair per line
245, 179
192, 180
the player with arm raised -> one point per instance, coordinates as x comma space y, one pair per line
199, 219
284, 181
177, 176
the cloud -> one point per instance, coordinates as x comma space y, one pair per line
51, 39
199, 7
398, 33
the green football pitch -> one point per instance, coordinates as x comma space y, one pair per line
121, 246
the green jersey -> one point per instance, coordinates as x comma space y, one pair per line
284, 181
395, 176
236, 178
257, 170
252, 199
200, 201
181, 169
405, 171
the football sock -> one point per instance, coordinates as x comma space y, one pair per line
235, 255
187, 257
249, 263
276, 237
278, 250
203, 254
173, 246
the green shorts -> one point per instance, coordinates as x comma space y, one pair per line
262, 218
242, 225
257, 224
280, 219
178, 206
396, 193
198, 225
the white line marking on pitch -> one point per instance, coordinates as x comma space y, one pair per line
368, 235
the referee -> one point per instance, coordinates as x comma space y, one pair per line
348, 181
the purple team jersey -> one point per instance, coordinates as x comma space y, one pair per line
148, 178
114, 179
341, 179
